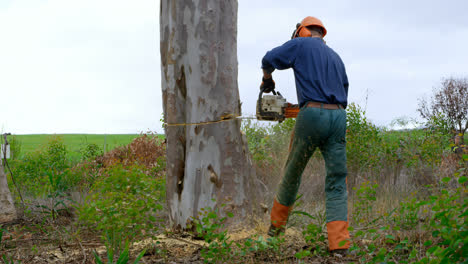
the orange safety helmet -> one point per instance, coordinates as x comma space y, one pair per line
308, 21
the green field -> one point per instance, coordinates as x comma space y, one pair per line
73, 142
395, 135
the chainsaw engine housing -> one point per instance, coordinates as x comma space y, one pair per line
271, 107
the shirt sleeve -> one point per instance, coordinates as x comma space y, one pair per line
281, 57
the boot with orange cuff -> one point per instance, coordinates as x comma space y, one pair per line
279, 218
338, 234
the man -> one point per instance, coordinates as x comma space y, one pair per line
322, 91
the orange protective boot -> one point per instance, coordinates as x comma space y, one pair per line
338, 232
279, 218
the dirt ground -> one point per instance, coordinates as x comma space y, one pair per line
40, 242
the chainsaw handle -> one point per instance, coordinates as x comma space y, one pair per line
273, 91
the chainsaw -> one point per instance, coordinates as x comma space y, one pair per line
275, 107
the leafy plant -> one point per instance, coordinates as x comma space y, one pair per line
115, 253
257, 139
9, 260
211, 227
260, 245
57, 153
449, 223
363, 142
316, 241
363, 205
34, 171
90, 151
5, 258
407, 214
123, 201
56, 196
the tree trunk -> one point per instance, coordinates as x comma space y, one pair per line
208, 162
7, 207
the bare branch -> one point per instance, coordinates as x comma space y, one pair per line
449, 101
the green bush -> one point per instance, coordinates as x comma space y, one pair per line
117, 255
364, 203
220, 249
449, 222
257, 138
407, 214
41, 172
123, 202
363, 142
268, 142
211, 227
56, 153
259, 245
90, 151
315, 238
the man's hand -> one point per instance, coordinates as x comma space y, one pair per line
268, 85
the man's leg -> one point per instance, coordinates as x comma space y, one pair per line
334, 154
301, 149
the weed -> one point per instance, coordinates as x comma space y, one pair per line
258, 245
257, 139
6, 259
114, 252
363, 143
90, 151
35, 169
123, 200
9, 260
314, 234
316, 241
408, 213
363, 205
448, 226
449, 223
211, 227
57, 153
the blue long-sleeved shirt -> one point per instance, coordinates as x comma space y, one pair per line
319, 71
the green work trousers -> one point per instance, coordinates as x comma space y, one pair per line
324, 129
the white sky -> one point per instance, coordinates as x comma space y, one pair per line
93, 66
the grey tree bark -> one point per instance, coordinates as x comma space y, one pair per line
208, 163
7, 207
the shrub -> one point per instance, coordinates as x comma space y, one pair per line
90, 151
41, 172
211, 227
315, 238
364, 203
123, 202
56, 153
363, 139
257, 138
145, 150
449, 222
407, 214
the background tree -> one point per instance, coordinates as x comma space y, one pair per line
448, 105
207, 156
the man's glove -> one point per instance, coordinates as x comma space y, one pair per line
268, 85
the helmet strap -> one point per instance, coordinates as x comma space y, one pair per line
296, 31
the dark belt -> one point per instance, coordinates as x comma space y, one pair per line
324, 106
